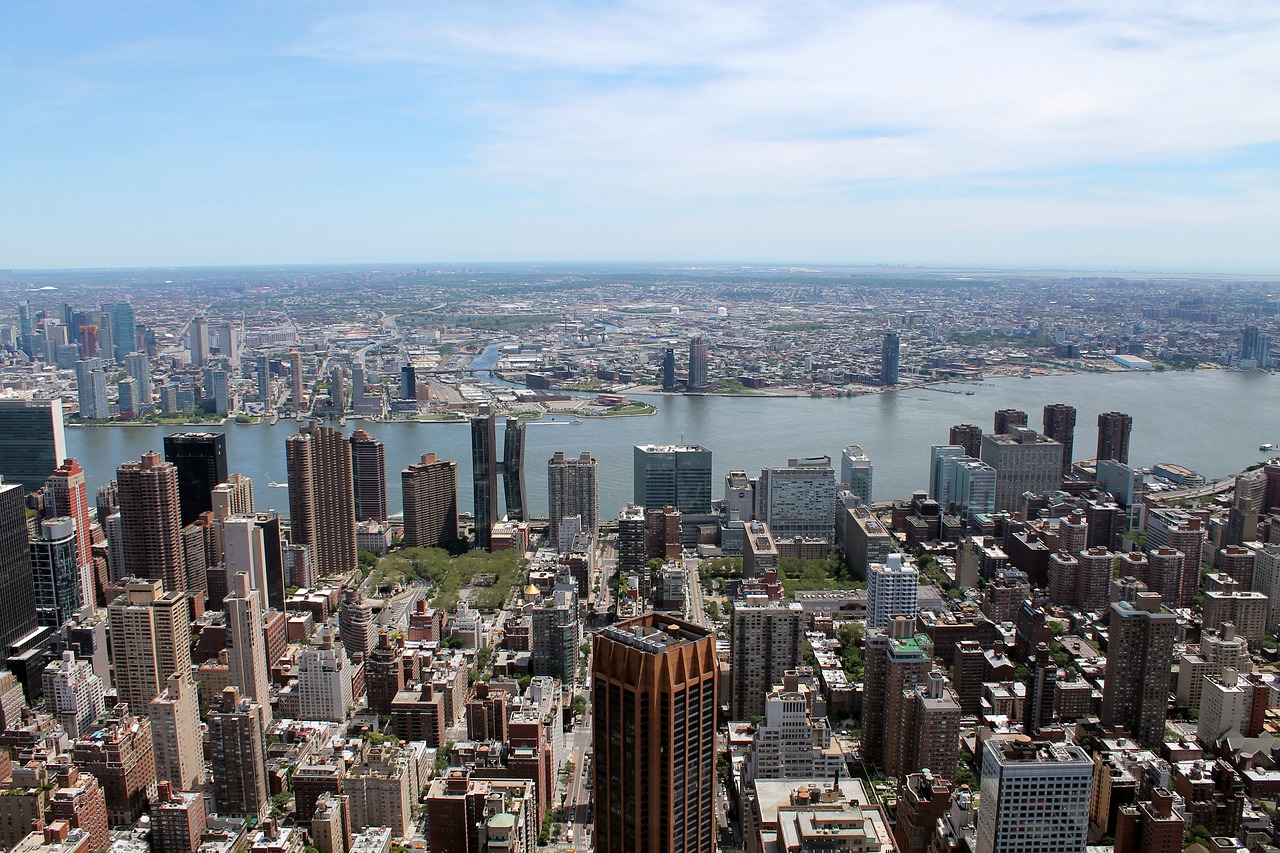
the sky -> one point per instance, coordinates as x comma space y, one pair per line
1116, 134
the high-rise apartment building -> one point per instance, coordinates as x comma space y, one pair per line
297, 393
17, 589
932, 729
654, 686
968, 436
1007, 419
892, 590
890, 349
356, 627
798, 500
1169, 528
855, 472
178, 820
556, 635
698, 379
1025, 461
672, 475
247, 645
430, 490
150, 632
1113, 436
484, 474
239, 759
74, 694
324, 680
322, 511
32, 441
573, 488
895, 663
201, 461
513, 488
369, 474
66, 495
1035, 797
91, 389
1060, 425
151, 521
633, 555
767, 639
384, 673
1139, 654
56, 572
175, 733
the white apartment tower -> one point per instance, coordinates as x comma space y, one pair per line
855, 472
892, 588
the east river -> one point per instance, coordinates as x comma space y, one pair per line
1211, 421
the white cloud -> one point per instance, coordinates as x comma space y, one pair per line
789, 100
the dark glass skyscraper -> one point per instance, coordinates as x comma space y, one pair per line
32, 441
17, 590
408, 382
654, 689
369, 474
669, 369
889, 359
672, 475
513, 469
1060, 425
698, 363
201, 460
484, 473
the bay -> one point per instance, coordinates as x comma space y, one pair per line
1210, 421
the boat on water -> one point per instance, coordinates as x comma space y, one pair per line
575, 421
275, 485
1267, 446
968, 393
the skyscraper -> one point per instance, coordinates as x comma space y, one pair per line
56, 572
295, 381
654, 683
889, 350
430, 490
408, 382
369, 473
669, 369
138, 366
556, 636
150, 521
17, 591
32, 441
513, 469
355, 623
1060, 425
201, 461
698, 363
573, 488
968, 436
799, 499
91, 389
1007, 419
322, 509
239, 759
767, 639
124, 330
198, 341
26, 329
150, 633
1136, 688
672, 475
1025, 461
632, 552
1113, 436
484, 473
262, 375
1035, 797
66, 495
247, 645
175, 733
855, 472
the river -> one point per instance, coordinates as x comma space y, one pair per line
1210, 421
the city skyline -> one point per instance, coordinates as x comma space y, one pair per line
1086, 135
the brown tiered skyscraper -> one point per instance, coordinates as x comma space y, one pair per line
240, 776
151, 521
1060, 425
1113, 436
430, 503
150, 640
322, 497
968, 436
1136, 694
654, 683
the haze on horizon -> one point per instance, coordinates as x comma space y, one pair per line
1073, 134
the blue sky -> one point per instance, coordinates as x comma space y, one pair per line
1113, 135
